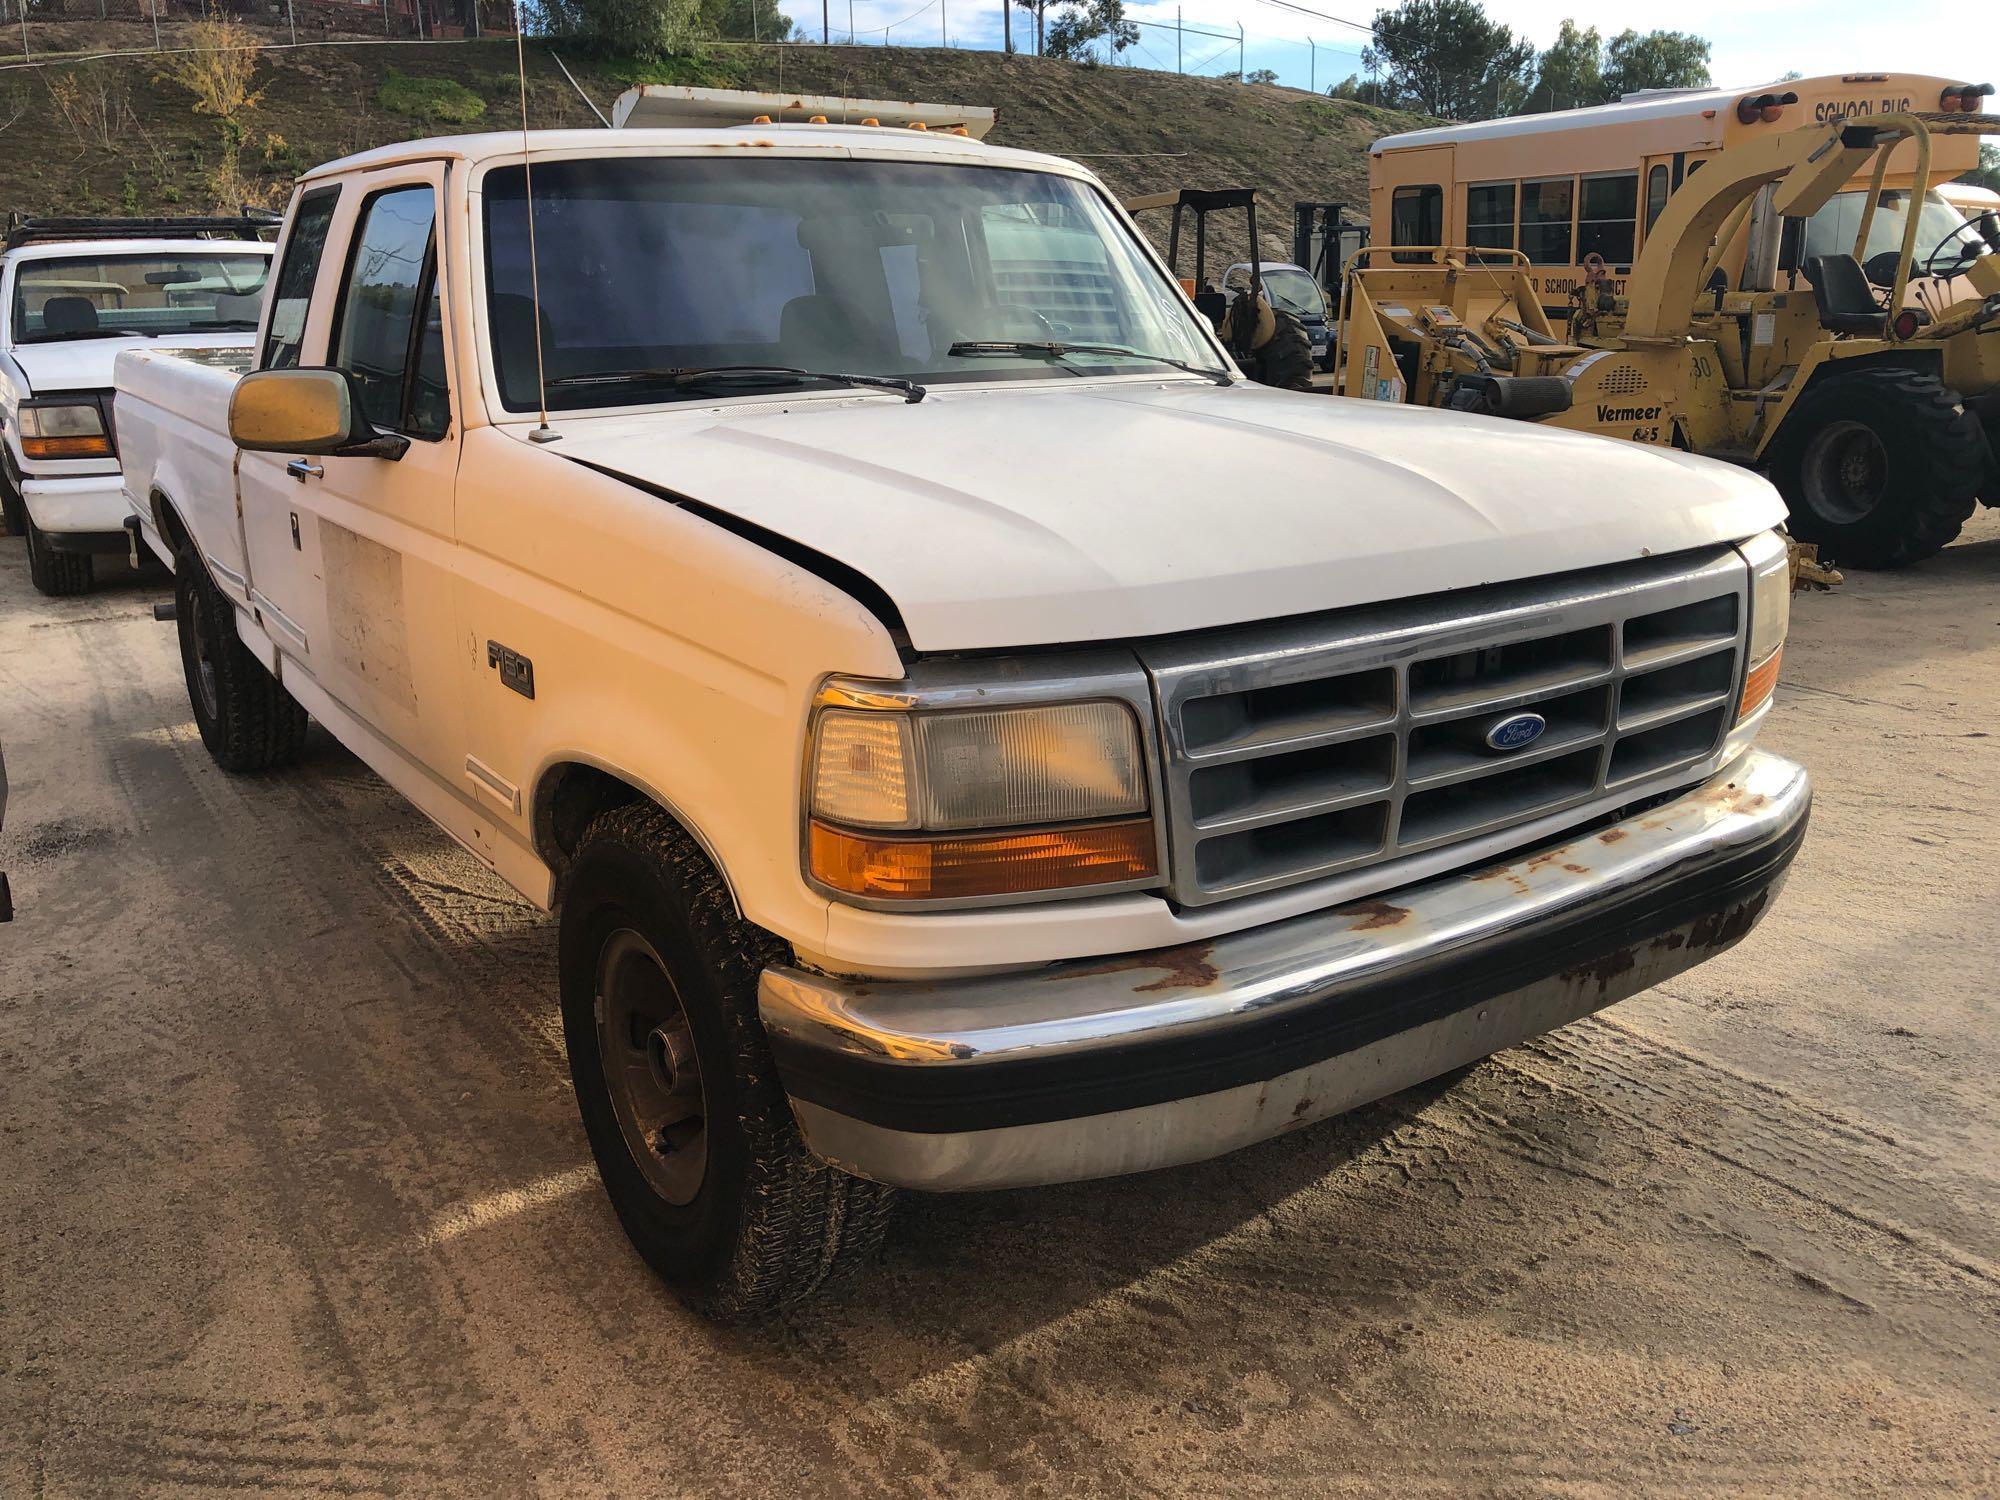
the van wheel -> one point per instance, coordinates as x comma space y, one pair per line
246, 718
1880, 467
57, 574
691, 1129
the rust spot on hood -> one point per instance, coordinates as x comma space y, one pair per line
1611, 836
1374, 914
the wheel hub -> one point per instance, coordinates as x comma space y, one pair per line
651, 1071
1845, 473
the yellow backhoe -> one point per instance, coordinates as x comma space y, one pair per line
1840, 391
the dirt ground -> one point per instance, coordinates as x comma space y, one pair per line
293, 1196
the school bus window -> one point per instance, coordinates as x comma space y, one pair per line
1656, 194
1545, 220
1606, 213
1416, 217
1489, 215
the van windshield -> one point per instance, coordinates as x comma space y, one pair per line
57, 298
656, 264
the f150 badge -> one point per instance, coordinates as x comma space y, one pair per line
1515, 732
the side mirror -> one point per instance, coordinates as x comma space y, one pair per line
305, 412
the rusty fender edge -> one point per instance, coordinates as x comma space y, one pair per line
1100, 1067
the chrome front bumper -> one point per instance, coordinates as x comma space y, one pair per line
1100, 1067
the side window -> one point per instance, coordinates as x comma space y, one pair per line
1416, 217
1656, 194
1607, 210
1489, 216
390, 335
1545, 220
292, 293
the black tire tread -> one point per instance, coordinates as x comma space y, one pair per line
805, 1225
1952, 469
262, 727
59, 575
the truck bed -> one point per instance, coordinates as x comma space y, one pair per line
172, 417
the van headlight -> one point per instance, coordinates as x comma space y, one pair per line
64, 429
908, 803
1770, 617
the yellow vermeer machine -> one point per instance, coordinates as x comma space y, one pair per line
1848, 391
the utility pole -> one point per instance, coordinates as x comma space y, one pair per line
1007, 25
1312, 68
1177, 41
943, 39
292, 21
825, 24
1239, 51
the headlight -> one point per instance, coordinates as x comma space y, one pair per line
63, 429
912, 804
1770, 617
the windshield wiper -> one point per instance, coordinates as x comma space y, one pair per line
1054, 350
94, 333
684, 378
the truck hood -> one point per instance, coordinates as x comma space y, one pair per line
85, 364
1030, 516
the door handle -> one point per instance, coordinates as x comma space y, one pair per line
302, 470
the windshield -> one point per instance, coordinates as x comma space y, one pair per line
1293, 291
1940, 228
103, 296
655, 264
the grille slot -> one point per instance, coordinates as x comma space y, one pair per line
1325, 745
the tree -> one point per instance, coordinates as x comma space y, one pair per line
1570, 73
1091, 21
1655, 60
632, 28
1360, 90
1039, 10
1446, 58
1261, 75
1987, 173
745, 20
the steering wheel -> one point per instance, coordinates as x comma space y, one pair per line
1975, 232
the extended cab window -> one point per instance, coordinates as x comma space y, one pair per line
390, 336
1416, 217
291, 295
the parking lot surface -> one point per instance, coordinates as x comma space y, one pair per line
293, 1195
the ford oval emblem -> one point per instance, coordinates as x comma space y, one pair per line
1515, 732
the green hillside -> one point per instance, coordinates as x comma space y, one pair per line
115, 136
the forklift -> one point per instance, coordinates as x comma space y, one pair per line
1271, 346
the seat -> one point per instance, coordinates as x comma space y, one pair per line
69, 316
815, 331
1843, 295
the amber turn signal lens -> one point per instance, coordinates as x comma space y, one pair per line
1758, 685
995, 864
94, 445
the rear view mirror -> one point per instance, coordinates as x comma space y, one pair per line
305, 412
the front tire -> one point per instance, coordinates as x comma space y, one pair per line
246, 718
56, 574
691, 1129
1880, 467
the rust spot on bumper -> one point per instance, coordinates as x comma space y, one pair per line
1377, 914
1188, 967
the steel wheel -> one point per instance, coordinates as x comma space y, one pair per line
650, 1069
202, 629
1845, 472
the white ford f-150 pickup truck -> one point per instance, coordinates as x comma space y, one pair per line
74, 294
962, 754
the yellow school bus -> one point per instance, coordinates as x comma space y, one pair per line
1576, 190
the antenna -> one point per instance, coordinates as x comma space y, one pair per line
543, 433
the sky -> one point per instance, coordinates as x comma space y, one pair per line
1754, 41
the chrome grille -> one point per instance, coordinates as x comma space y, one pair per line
1328, 744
